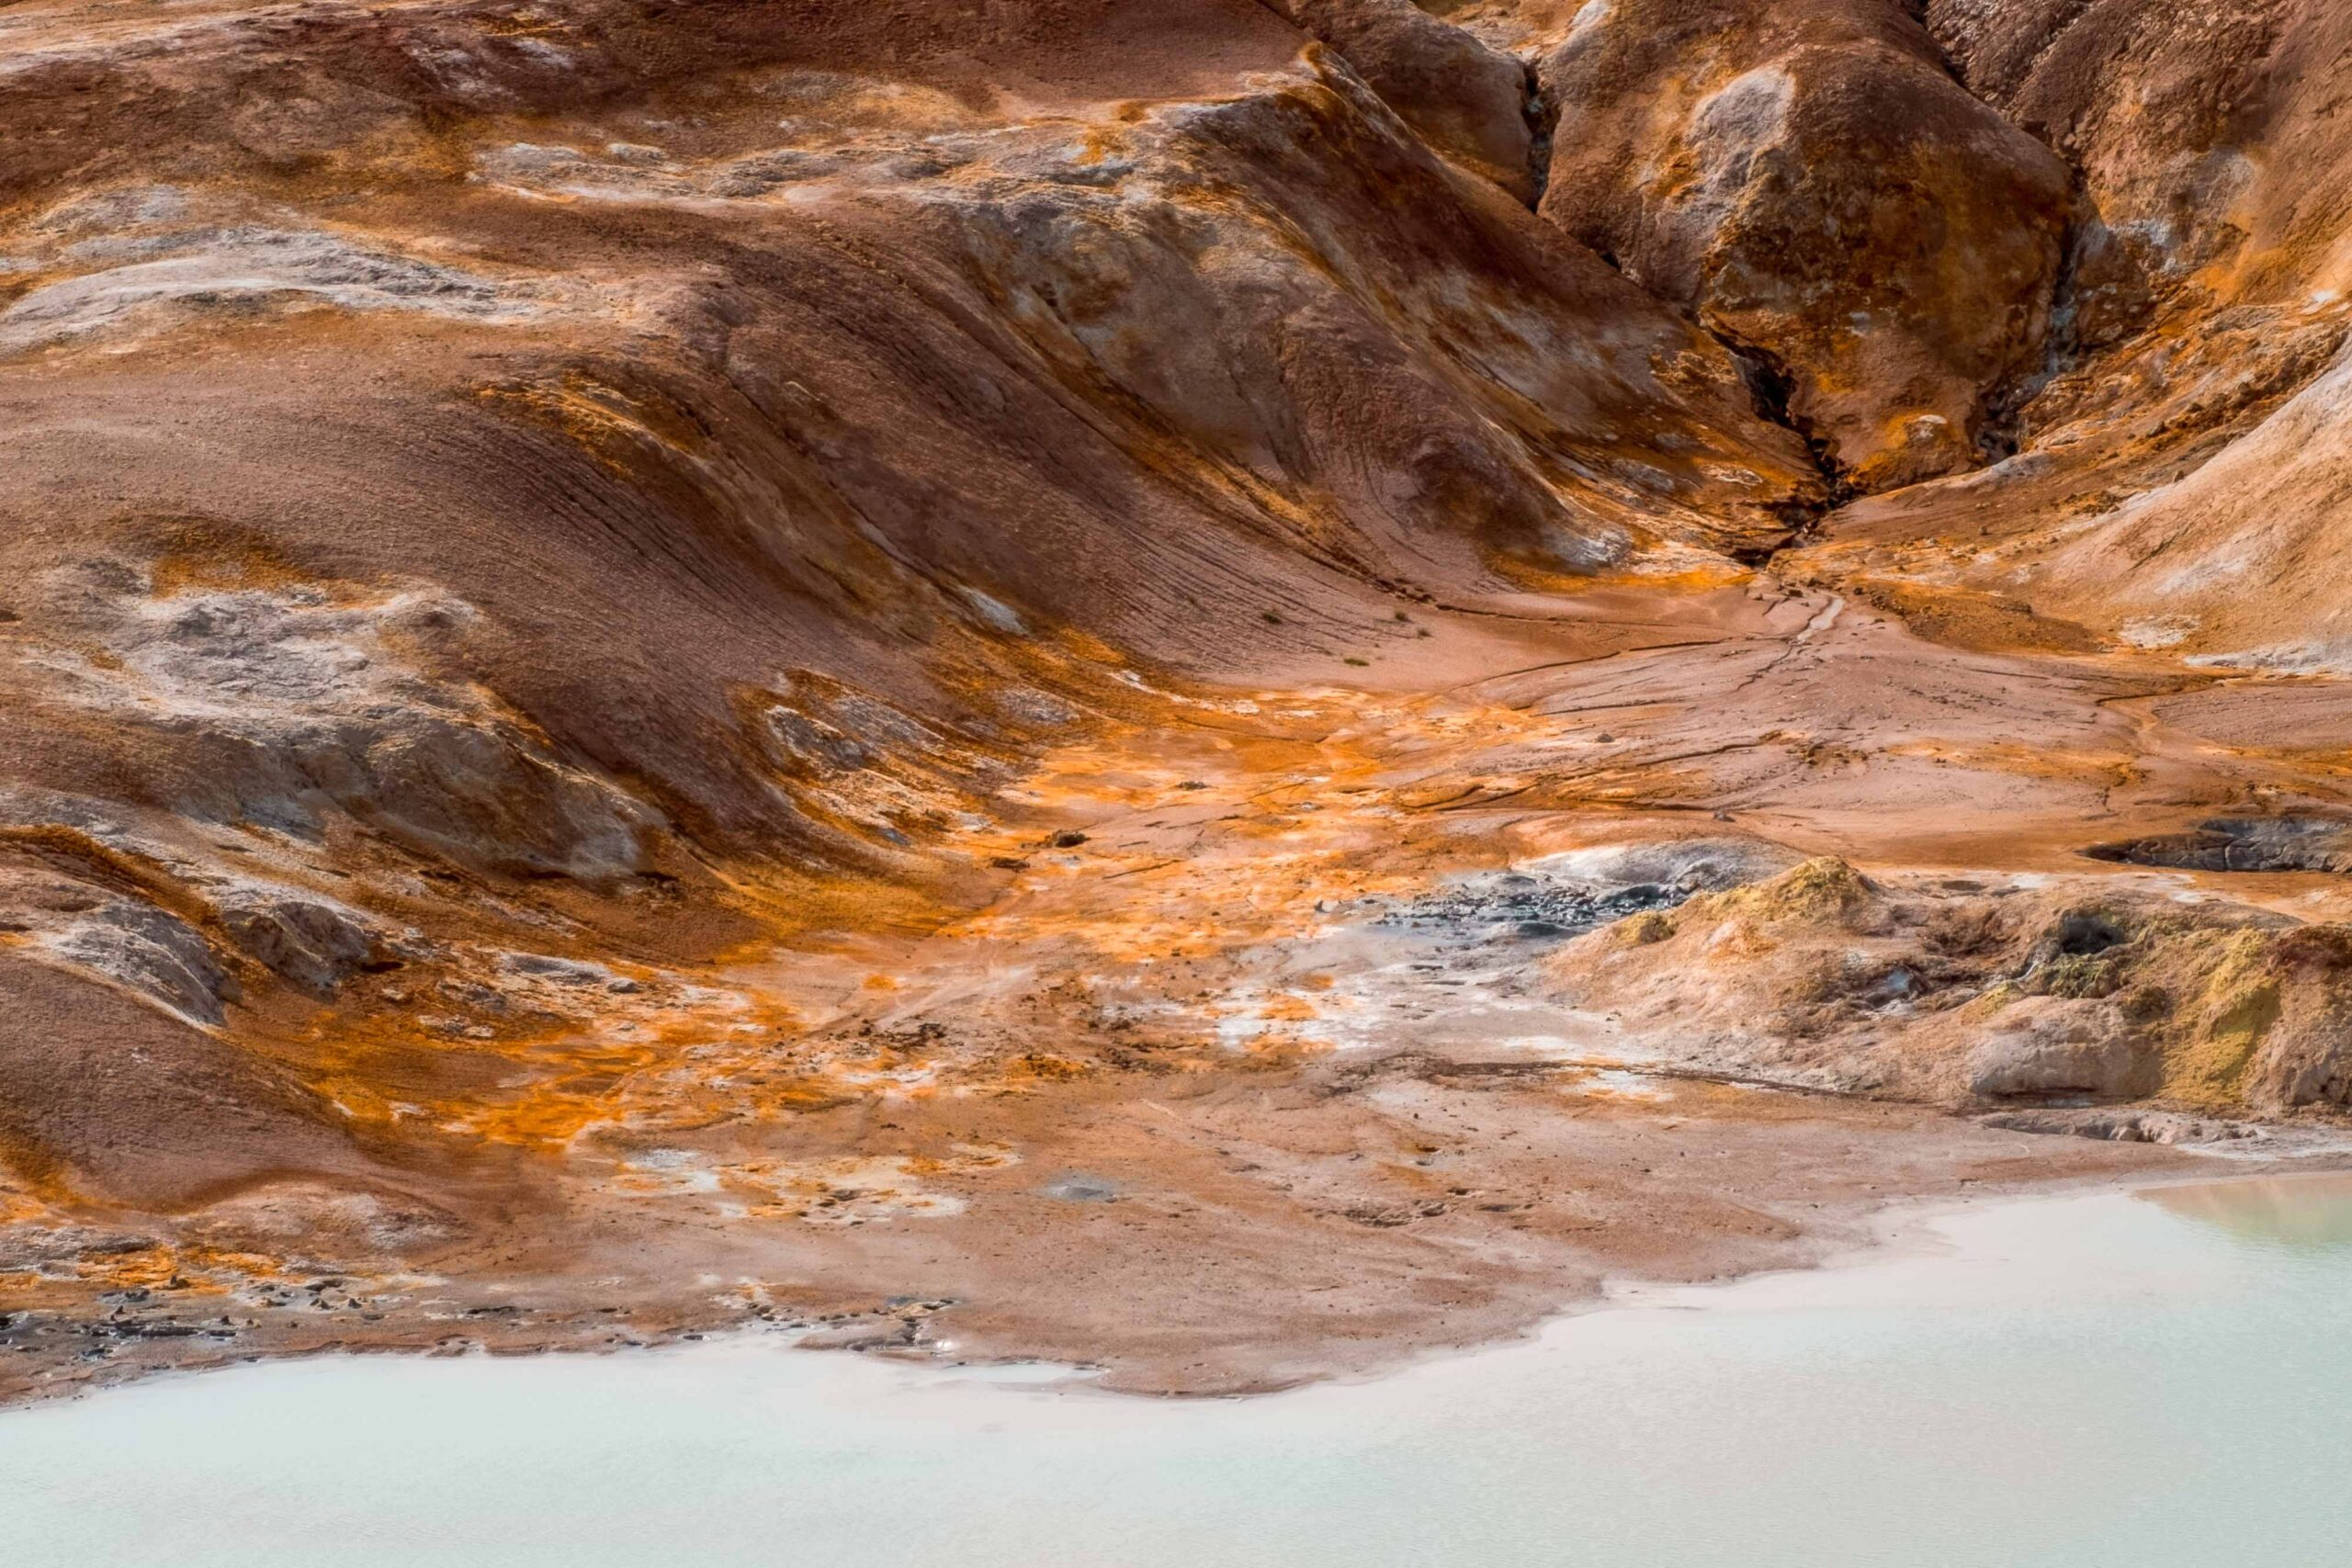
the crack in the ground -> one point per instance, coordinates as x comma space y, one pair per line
1771, 386
1542, 112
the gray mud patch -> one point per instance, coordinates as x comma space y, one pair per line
1513, 906
1456, 970
1082, 1187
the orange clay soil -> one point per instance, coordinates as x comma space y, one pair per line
1221, 690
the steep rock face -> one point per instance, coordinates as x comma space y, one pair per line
1812, 183
2182, 480
2177, 117
1466, 100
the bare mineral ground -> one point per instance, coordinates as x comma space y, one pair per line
1208, 688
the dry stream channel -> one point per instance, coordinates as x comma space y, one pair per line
2156, 1377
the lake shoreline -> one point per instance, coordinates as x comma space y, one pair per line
1859, 1233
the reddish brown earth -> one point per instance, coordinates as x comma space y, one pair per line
971, 673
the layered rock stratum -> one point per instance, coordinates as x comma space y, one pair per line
1213, 688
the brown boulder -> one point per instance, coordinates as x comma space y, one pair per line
1809, 180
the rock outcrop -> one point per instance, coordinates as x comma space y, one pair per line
1826, 978
2180, 474
1811, 182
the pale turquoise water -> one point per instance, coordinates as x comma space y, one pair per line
2113, 1380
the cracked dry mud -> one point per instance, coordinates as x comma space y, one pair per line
1219, 690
